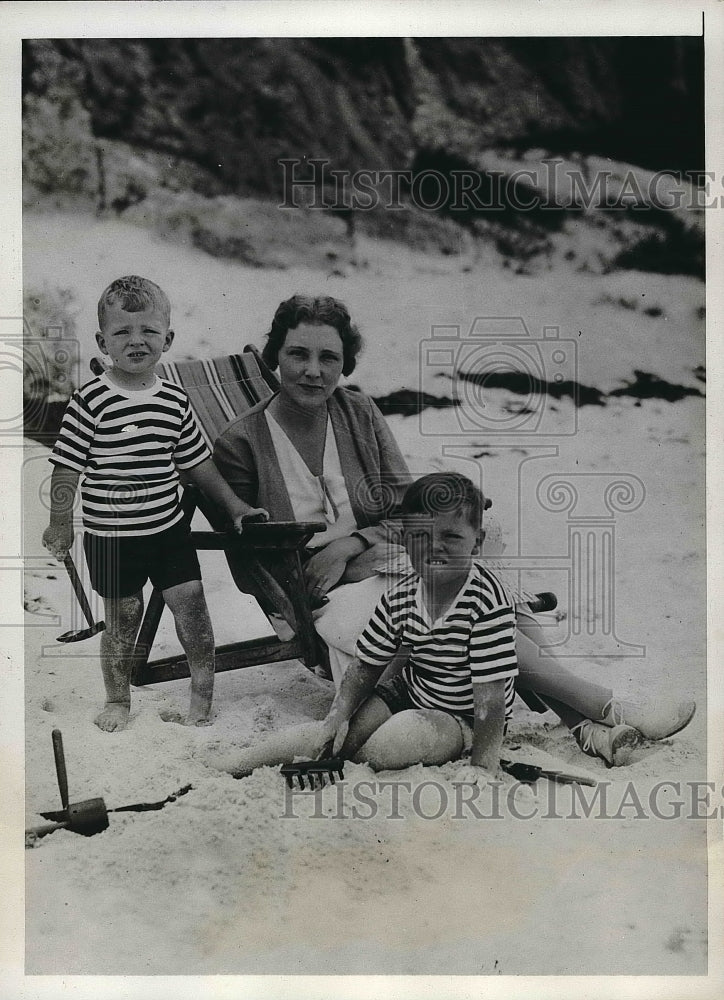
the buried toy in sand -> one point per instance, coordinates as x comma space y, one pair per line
89, 816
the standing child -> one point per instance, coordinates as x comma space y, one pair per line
128, 432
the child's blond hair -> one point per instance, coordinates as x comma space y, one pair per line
133, 294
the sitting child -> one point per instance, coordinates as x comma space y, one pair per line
128, 432
455, 619
458, 622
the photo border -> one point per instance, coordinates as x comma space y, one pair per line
301, 18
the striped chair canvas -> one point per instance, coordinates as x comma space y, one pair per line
221, 389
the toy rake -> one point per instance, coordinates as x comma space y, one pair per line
315, 772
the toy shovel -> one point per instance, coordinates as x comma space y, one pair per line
529, 774
93, 626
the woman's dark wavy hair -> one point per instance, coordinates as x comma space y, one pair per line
442, 493
320, 311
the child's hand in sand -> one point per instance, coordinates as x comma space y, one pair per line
332, 734
517, 797
469, 774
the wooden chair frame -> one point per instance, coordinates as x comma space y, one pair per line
283, 590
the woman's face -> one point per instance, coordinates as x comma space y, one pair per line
310, 364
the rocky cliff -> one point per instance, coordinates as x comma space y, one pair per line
228, 109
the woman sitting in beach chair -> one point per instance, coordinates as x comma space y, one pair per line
318, 452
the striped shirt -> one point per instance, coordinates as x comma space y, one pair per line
129, 446
473, 642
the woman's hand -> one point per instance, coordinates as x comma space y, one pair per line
326, 567
368, 563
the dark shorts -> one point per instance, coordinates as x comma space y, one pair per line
396, 695
120, 567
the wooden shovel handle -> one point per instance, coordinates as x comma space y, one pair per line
60, 767
78, 589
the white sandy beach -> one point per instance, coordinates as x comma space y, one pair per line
221, 881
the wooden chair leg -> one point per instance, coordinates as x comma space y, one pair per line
278, 586
268, 593
147, 633
534, 703
295, 610
303, 612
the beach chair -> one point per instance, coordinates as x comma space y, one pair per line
220, 390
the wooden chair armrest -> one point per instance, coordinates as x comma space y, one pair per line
274, 535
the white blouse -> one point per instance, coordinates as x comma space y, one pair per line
315, 498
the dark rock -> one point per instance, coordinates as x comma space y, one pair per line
233, 107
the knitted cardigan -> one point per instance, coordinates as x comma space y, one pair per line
373, 467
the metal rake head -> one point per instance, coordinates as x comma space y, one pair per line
315, 772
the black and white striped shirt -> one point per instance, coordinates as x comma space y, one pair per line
129, 445
473, 642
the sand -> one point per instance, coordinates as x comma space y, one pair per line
237, 877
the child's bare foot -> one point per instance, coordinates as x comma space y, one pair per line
221, 760
170, 715
203, 721
200, 708
113, 718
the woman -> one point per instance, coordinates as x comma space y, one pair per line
316, 451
